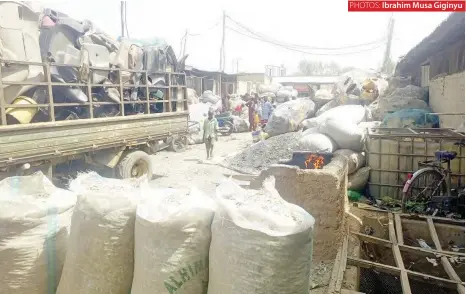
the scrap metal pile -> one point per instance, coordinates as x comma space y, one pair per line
51, 36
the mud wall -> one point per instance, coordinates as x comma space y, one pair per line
320, 192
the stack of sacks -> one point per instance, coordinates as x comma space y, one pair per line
358, 175
334, 129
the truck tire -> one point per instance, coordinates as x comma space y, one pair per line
134, 164
178, 143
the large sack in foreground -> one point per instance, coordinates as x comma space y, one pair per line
350, 113
100, 254
356, 160
260, 243
316, 142
172, 240
346, 134
35, 216
358, 180
287, 116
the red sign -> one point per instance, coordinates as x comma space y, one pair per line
413, 6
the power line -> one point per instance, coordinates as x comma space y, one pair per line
206, 30
262, 36
302, 51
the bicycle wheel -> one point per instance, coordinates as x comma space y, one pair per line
423, 187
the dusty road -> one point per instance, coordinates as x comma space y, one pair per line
190, 168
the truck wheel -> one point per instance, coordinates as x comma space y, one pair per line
134, 164
178, 143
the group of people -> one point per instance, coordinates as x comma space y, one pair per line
259, 110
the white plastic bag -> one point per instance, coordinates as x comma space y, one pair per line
172, 240
350, 113
356, 160
345, 133
260, 243
101, 249
316, 142
35, 217
287, 116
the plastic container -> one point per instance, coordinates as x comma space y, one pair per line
354, 196
23, 115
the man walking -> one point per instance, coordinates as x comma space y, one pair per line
210, 133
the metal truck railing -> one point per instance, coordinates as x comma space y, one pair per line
174, 82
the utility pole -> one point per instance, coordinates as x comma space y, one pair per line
222, 48
386, 58
122, 16
184, 44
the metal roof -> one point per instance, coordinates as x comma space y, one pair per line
306, 80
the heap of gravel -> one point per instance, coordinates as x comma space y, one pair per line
259, 156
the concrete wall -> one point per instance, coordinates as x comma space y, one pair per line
446, 95
322, 193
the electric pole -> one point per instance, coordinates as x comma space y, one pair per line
122, 16
184, 44
222, 48
386, 58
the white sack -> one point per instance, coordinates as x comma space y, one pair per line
358, 180
329, 105
100, 253
287, 116
309, 123
350, 113
283, 93
364, 126
208, 96
35, 217
273, 88
356, 160
385, 105
260, 243
172, 240
192, 96
312, 130
346, 134
241, 124
316, 142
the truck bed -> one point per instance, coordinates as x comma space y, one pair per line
42, 141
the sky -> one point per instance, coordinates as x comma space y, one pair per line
312, 23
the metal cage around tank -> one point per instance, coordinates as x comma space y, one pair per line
393, 153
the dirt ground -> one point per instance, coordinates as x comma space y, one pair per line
190, 168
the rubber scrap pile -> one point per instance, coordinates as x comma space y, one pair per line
125, 236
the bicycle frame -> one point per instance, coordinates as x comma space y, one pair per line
445, 177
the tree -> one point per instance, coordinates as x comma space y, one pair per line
318, 68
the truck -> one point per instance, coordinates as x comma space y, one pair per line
122, 142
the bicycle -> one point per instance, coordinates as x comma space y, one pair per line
436, 195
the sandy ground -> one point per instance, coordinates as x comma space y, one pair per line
190, 168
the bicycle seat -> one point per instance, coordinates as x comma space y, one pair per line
445, 155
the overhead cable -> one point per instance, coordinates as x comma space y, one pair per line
306, 52
266, 38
